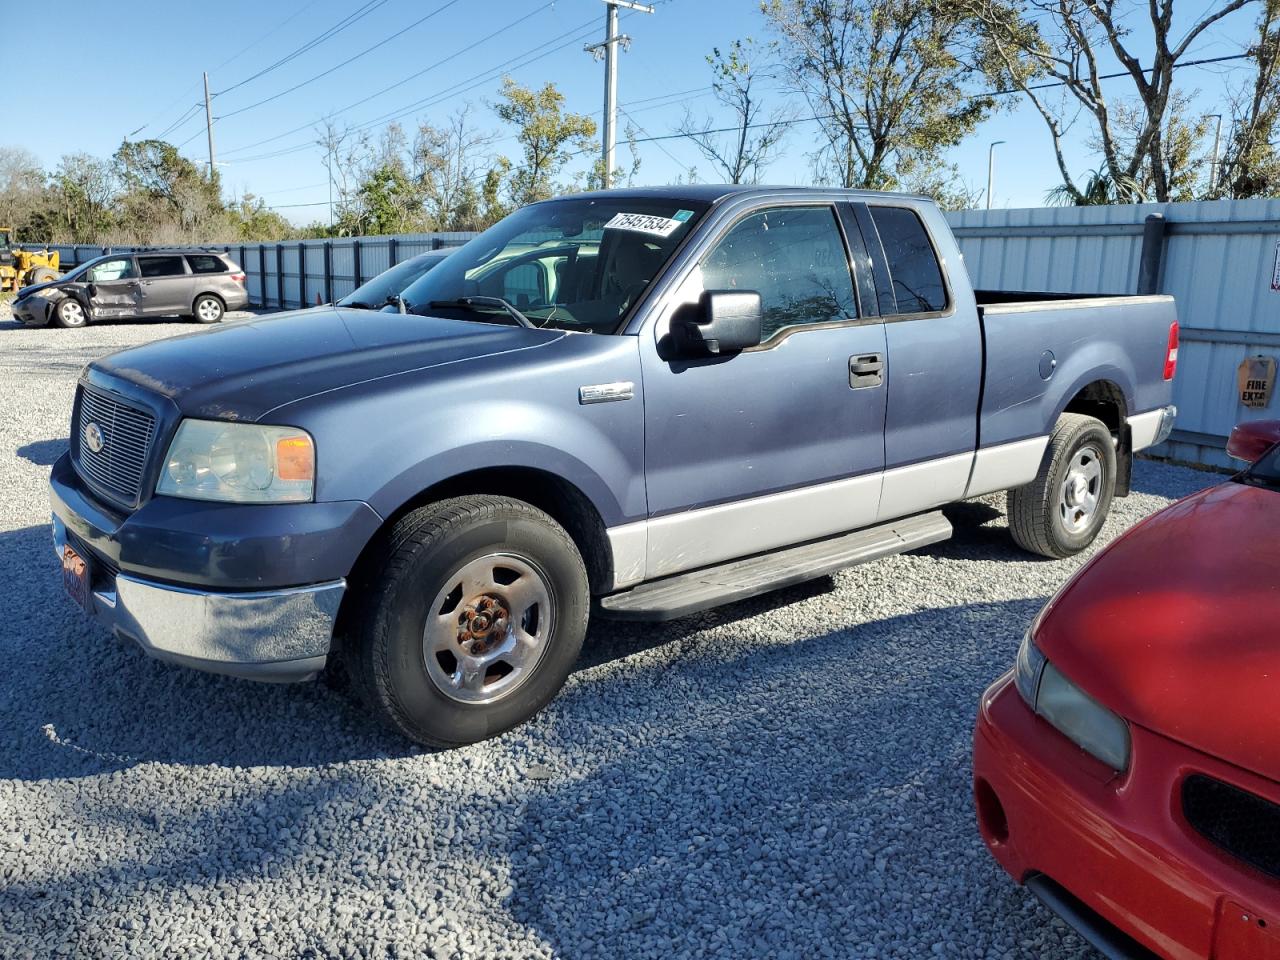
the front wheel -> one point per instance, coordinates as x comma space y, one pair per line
1060, 512
471, 622
207, 309
70, 313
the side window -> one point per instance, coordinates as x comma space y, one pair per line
206, 264
522, 285
161, 266
917, 278
795, 258
112, 270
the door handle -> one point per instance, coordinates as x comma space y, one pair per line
866, 370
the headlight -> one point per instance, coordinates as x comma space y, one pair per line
1075, 714
239, 462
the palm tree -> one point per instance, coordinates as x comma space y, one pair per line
1099, 189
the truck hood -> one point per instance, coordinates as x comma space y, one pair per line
243, 369
1173, 625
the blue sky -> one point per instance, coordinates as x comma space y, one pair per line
138, 65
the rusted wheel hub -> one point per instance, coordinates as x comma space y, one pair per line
482, 624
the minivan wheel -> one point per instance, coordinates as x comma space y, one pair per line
207, 308
470, 622
70, 313
1060, 512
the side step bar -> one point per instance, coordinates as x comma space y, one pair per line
687, 593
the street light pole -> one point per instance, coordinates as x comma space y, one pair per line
991, 168
609, 48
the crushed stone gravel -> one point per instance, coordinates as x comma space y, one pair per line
785, 777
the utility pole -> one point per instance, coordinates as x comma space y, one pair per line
1213, 163
208, 121
609, 49
991, 169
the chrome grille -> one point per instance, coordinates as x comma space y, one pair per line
127, 433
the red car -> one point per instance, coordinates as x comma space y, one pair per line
1127, 769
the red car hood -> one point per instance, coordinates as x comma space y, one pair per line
1176, 625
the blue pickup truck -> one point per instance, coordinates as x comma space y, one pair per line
634, 403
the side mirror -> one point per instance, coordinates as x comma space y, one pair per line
1249, 441
726, 321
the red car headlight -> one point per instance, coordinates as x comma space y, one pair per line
1072, 712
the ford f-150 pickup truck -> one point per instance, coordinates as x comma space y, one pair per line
633, 403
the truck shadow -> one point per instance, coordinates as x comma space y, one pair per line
43, 453
753, 800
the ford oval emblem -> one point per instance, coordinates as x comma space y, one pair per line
93, 437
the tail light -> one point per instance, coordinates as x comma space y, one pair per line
1171, 352
239, 278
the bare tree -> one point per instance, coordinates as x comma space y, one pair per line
451, 162
1043, 46
743, 153
1250, 166
883, 77
22, 187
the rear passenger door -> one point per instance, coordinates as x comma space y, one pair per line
780, 443
166, 284
932, 333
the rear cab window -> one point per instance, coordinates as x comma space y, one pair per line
918, 284
202, 263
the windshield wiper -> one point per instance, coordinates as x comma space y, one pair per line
474, 302
356, 305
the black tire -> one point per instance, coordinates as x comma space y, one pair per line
208, 308
70, 313
386, 650
1042, 516
41, 275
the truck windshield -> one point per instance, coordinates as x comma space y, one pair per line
571, 264
373, 294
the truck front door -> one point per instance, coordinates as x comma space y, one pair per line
779, 443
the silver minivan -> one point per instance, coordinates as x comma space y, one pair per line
203, 285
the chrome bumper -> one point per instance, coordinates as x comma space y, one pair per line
276, 635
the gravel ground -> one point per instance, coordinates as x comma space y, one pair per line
786, 777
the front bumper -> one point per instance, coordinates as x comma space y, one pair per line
279, 635
33, 311
247, 590
1113, 853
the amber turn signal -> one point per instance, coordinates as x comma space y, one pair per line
295, 458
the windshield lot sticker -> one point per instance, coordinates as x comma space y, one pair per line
643, 223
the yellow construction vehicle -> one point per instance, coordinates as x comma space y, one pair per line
22, 268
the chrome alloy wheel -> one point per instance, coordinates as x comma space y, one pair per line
1078, 500
487, 628
71, 312
208, 310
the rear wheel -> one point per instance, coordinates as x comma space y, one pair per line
1060, 512
207, 308
70, 313
471, 622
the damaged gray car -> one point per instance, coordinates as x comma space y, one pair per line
202, 285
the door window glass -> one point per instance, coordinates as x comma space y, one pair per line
917, 278
161, 266
121, 269
794, 257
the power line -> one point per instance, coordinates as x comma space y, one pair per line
462, 86
349, 20
339, 66
398, 83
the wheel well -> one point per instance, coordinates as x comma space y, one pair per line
561, 500
1103, 400
208, 293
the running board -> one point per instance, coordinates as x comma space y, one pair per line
687, 593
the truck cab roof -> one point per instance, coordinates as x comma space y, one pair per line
714, 192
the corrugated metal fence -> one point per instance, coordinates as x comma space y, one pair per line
1217, 258
292, 274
